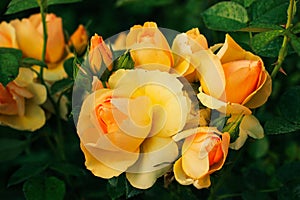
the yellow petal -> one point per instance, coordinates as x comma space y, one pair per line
56, 40
225, 146
180, 175
211, 74
25, 79
96, 167
194, 165
260, 96
138, 121
97, 142
203, 182
33, 119
55, 71
26, 36
186, 133
251, 126
145, 180
156, 153
7, 35
239, 142
228, 108
231, 51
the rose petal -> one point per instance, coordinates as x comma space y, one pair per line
96, 167
26, 36
145, 180
180, 175
260, 96
7, 35
203, 182
228, 108
55, 71
56, 40
33, 119
211, 74
251, 126
193, 165
231, 51
156, 153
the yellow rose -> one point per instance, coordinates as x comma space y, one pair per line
20, 100
29, 31
99, 52
7, 36
129, 127
234, 77
184, 46
79, 40
203, 153
149, 47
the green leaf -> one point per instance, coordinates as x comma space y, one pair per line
226, 16
116, 187
124, 62
21, 5
11, 148
260, 27
61, 85
26, 172
245, 3
3, 6
295, 41
9, 64
290, 191
269, 12
29, 62
44, 188
279, 125
289, 105
131, 191
257, 195
289, 172
67, 169
146, 3
258, 148
267, 43
68, 66
296, 28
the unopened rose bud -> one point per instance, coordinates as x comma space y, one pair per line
79, 40
99, 52
241, 78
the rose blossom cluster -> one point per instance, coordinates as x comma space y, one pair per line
147, 120
20, 100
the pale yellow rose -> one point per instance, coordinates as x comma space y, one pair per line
79, 40
20, 102
234, 78
183, 48
29, 32
148, 47
99, 52
7, 36
129, 127
204, 151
